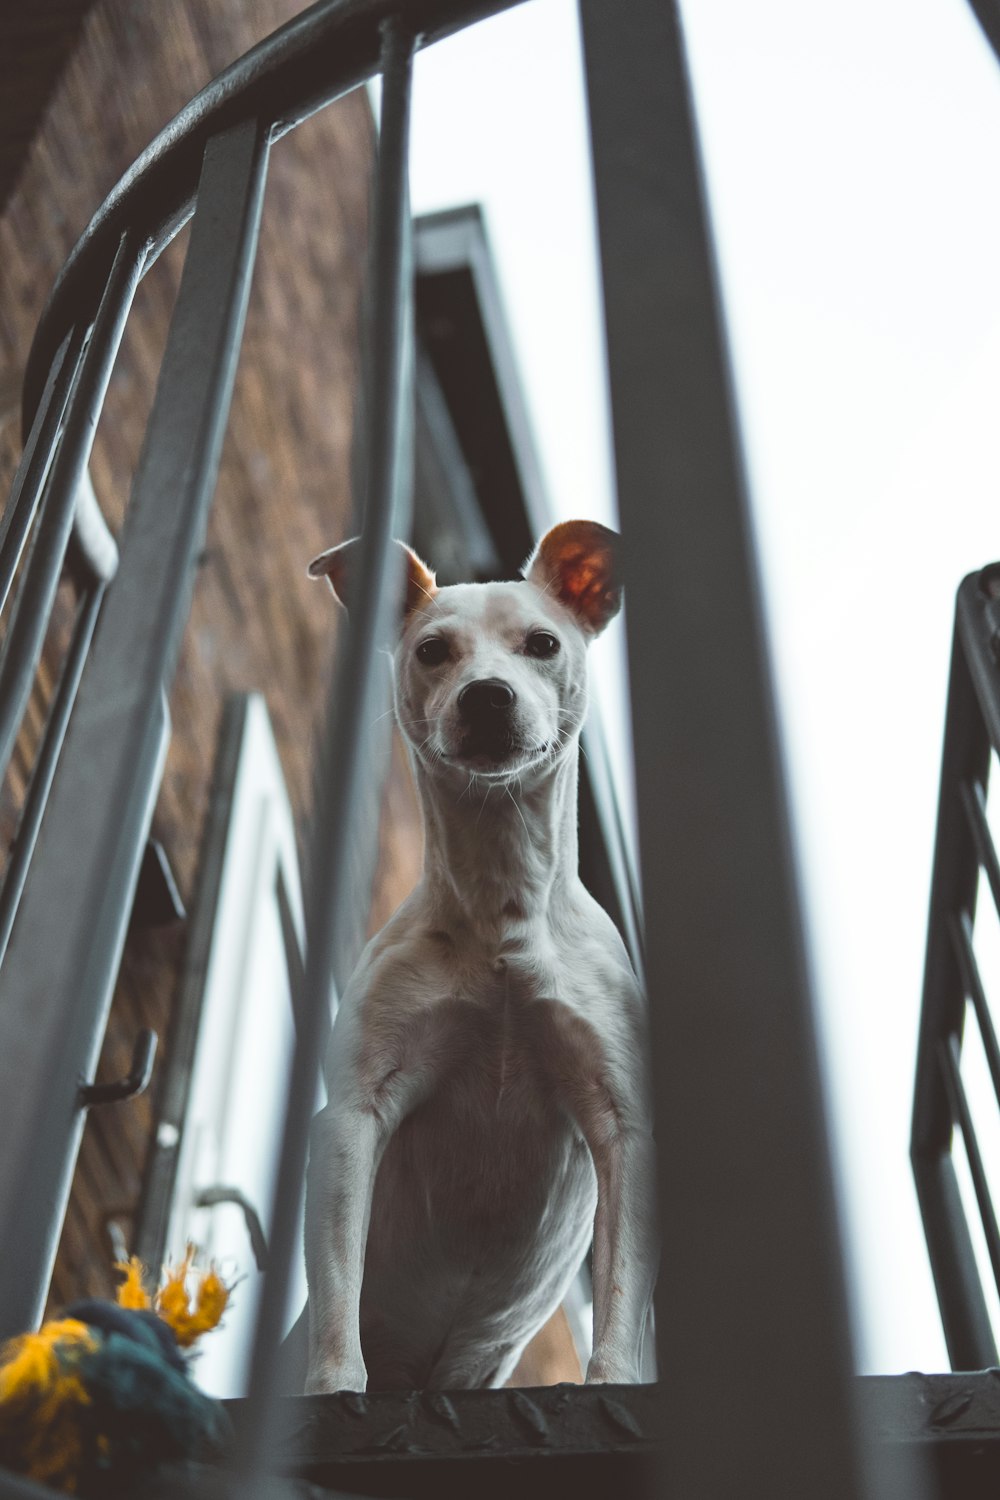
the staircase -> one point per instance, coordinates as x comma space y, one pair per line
755, 1396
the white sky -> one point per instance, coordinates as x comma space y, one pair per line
852, 155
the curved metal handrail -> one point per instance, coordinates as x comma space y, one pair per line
306, 64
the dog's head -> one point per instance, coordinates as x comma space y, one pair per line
490, 678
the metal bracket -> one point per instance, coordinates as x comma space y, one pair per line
143, 1055
209, 1197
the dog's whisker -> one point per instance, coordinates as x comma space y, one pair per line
516, 806
489, 787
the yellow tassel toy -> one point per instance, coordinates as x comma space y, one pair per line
101, 1397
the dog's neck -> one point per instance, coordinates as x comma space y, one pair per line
495, 853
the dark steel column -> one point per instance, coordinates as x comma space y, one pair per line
750, 1302
352, 707
67, 939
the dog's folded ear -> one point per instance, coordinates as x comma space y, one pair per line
577, 563
337, 565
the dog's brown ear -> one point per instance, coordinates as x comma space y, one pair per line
337, 564
577, 563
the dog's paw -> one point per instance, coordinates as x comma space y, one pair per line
609, 1369
325, 1379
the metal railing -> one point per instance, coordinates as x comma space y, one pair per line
964, 847
108, 735
753, 1278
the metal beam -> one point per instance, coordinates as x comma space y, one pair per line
67, 939
351, 710
751, 1301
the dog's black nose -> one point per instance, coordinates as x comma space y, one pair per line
486, 699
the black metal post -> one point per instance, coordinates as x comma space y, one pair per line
349, 713
751, 1300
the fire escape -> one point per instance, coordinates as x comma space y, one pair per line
755, 1394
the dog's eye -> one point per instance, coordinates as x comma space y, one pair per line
540, 643
433, 651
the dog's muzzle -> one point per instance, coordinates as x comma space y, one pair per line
487, 710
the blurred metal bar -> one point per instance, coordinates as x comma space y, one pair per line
36, 459
621, 865
294, 966
965, 763
987, 13
350, 708
950, 1062
965, 953
211, 1197
974, 801
66, 944
964, 1315
45, 765
134, 1082
22, 645
965, 759
752, 1276
93, 552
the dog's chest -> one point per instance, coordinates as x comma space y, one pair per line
493, 1146
491, 1023
493, 1040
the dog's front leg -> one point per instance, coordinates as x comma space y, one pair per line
625, 1250
377, 1071
345, 1149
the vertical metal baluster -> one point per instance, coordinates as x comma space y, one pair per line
66, 944
349, 713
750, 1300
41, 777
36, 459
949, 1052
965, 760
22, 645
960, 931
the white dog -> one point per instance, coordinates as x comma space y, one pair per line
487, 1071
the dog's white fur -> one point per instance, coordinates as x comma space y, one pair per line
487, 1068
